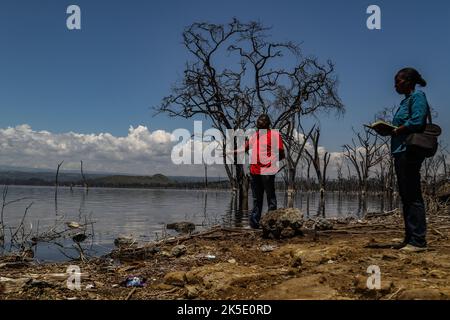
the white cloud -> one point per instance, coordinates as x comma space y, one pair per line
141, 152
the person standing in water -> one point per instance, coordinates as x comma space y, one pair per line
410, 117
267, 149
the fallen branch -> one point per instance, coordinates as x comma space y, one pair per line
131, 293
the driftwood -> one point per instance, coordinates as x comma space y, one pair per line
131, 293
154, 247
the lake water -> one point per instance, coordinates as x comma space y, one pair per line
144, 212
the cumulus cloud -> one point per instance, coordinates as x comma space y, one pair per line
141, 152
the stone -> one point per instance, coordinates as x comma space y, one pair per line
10, 285
79, 237
422, 294
124, 241
181, 227
177, 278
297, 259
282, 223
360, 283
267, 248
73, 225
302, 288
322, 224
192, 292
178, 251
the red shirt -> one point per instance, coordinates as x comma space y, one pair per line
263, 161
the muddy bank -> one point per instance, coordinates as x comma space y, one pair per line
240, 264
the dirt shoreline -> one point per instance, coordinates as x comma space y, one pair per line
239, 264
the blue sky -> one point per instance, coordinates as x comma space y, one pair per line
106, 77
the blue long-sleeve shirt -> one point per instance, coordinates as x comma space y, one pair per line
412, 114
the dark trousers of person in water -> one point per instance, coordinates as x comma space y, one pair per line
261, 184
407, 168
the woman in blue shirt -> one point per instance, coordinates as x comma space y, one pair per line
410, 117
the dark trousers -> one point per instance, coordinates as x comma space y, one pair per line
261, 184
407, 169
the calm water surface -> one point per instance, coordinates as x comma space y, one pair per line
144, 212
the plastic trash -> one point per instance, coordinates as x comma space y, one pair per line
134, 281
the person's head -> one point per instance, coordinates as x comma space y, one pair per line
263, 122
407, 79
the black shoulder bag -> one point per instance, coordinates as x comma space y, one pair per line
424, 143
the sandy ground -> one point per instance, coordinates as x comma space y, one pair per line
230, 264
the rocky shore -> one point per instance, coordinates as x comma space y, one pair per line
328, 259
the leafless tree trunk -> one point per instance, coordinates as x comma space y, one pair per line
86, 186
320, 166
295, 145
206, 177
364, 154
56, 186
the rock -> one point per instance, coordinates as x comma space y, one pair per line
232, 261
267, 248
181, 227
302, 288
296, 259
163, 287
422, 294
192, 292
222, 279
73, 225
177, 278
282, 223
360, 283
323, 224
9, 285
178, 251
124, 241
165, 253
79, 237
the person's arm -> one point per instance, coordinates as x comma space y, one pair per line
400, 130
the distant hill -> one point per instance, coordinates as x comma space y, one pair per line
17, 177
131, 181
47, 178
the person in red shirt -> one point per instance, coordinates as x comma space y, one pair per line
267, 150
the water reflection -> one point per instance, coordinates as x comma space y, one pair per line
143, 213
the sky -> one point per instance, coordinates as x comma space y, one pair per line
87, 94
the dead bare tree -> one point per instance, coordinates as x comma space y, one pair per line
340, 175
57, 185
320, 165
86, 186
6, 203
295, 142
365, 152
252, 83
